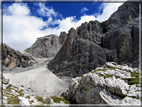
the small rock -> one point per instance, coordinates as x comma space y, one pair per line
23, 101
61, 102
5, 80
4, 97
26, 95
48, 100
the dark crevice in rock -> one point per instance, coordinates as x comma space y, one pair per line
132, 35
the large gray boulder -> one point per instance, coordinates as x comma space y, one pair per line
106, 85
94, 43
12, 58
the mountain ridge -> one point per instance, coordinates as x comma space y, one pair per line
94, 43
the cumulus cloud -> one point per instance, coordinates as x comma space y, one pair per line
84, 9
45, 11
20, 29
108, 9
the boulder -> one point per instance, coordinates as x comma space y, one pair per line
48, 100
23, 101
5, 79
104, 88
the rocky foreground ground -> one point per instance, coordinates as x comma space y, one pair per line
18, 96
34, 85
111, 84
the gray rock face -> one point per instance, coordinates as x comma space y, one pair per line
47, 46
106, 85
62, 37
94, 43
12, 58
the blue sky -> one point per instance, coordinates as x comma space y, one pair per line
23, 23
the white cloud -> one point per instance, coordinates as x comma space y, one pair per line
19, 9
21, 30
108, 9
45, 11
84, 9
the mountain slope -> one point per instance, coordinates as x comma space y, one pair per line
94, 43
12, 58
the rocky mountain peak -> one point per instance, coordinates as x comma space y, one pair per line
94, 43
46, 46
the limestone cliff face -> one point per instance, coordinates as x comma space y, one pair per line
94, 43
47, 46
62, 37
12, 58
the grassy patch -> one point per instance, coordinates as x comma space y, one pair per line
100, 75
28, 97
57, 99
13, 100
21, 93
135, 74
82, 76
40, 99
132, 81
126, 70
31, 101
8, 88
112, 68
117, 77
107, 76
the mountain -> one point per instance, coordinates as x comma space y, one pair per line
94, 43
12, 58
47, 46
